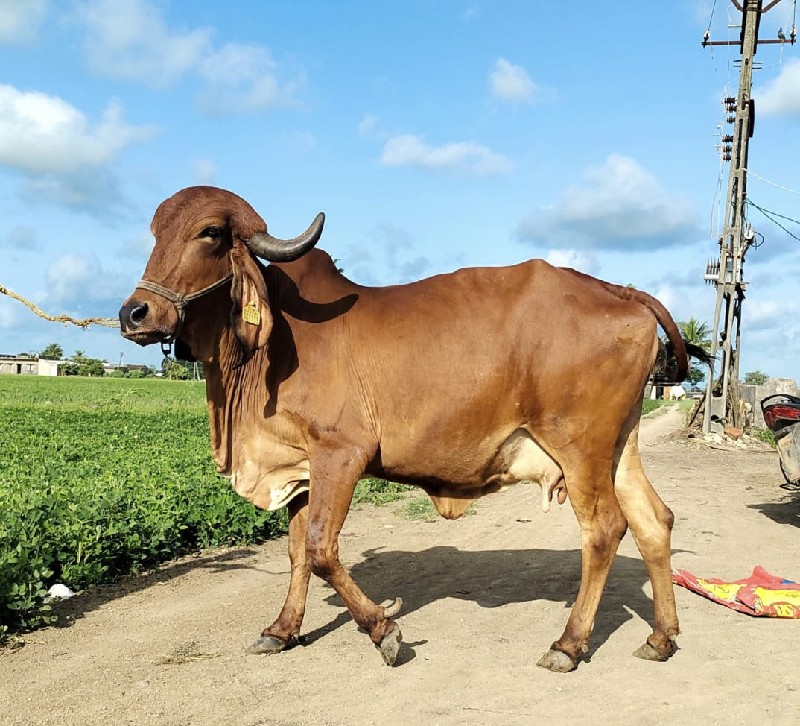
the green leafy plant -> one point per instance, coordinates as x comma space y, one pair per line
100, 478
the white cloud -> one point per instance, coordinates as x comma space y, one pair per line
204, 171
768, 314
139, 247
9, 316
511, 83
462, 156
20, 238
618, 205
782, 94
242, 79
367, 125
575, 259
42, 133
303, 141
20, 20
387, 258
130, 39
78, 280
471, 12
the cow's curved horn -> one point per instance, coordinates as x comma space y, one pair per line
273, 249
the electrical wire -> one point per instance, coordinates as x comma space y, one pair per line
716, 204
713, 7
769, 215
767, 181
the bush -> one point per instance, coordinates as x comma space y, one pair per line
92, 490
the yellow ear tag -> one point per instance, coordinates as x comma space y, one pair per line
250, 314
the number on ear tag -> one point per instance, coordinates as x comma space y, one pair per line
250, 314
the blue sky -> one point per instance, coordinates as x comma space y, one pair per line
434, 134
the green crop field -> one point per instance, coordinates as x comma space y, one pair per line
104, 477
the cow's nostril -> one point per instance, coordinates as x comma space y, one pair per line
131, 316
139, 313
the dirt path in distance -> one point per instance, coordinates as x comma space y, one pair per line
484, 598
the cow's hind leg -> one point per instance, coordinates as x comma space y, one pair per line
602, 527
285, 630
650, 521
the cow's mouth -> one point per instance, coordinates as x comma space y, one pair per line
145, 337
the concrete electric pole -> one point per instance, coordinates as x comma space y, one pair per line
726, 273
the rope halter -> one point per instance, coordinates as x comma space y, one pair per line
180, 301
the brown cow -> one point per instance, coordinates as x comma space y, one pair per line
461, 384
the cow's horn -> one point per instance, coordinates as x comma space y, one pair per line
273, 249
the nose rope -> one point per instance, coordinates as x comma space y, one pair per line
179, 300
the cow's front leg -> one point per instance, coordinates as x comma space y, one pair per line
285, 630
334, 481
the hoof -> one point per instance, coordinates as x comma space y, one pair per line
390, 646
269, 644
648, 652
557, 661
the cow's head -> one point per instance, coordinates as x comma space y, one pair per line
205, 242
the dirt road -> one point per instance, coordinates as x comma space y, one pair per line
484, 597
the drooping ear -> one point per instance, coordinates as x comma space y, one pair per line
251, 317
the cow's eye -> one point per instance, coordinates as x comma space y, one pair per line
212, 232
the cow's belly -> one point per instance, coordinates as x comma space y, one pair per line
518, 459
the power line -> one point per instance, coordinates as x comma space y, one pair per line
767, 181
769, 215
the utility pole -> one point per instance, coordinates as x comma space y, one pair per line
726, 273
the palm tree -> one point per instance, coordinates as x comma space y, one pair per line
699, 334
693, 331
53, 352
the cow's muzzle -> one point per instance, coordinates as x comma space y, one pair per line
131, 316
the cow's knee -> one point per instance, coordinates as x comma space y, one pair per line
665, 517
321, 560
608, 531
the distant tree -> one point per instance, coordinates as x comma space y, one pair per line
80, 365
52, 352
176, 370
755, 378
699, 334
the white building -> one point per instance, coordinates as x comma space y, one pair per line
23, 365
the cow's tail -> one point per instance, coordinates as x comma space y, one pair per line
677, 348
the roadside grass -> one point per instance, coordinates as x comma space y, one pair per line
764, 435
379, 492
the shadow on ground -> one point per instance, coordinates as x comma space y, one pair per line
490, 579
786, 511
496, 578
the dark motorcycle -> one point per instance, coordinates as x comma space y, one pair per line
782, 416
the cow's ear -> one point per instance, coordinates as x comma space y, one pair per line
251, 317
